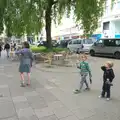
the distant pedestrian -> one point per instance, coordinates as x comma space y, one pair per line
26, 59
108, 77
14, 46
7, 48
84, 71
0, 49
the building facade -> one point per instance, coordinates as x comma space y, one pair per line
111, 20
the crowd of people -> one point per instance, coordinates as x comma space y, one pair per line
7, 47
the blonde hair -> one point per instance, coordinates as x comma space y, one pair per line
83, 55
110, 64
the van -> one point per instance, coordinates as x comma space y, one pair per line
106, 47
80, 45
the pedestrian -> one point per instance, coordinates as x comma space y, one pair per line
84, 71
26, 59
14, 46
108, 77
7, 48
0, 49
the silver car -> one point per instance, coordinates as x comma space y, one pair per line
106, 47
80, 45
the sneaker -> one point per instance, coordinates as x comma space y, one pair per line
100, 96
77, 91
108, 99
87, 89
22, 85
28, 84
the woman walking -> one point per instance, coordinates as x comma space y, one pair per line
26, 59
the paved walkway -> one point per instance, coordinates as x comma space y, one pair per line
50, 97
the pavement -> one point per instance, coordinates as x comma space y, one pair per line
50, 96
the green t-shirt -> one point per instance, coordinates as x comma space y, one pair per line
85, 68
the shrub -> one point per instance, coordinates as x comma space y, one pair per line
44, 49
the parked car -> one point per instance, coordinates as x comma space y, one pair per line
106, 47
44, 43
63, 43
80, 45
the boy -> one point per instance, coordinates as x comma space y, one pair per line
108, 77
84, 71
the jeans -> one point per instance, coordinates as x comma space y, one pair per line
83, 80
106, 89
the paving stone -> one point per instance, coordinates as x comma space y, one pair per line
33, 93
29, 118
52, 117
70, 118
7, 110
15, 92
5, 99
43, 112
3, 86
35, 84
84, 113
48, 96
19, 99
12, 118
5, 91
26, 112
36, 102
62, 112
54, 105
21, 105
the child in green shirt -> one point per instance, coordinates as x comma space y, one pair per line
84, 71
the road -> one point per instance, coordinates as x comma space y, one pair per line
50, 97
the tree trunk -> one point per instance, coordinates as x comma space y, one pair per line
48, 25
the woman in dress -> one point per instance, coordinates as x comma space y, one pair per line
26, 59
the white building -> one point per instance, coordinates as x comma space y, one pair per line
111, 20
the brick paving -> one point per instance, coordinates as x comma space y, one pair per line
50, 96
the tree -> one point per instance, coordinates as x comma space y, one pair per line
30, 16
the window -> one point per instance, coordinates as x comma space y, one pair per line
100, 42
118, 5
75, 42
110, 42
87, 41
79, 41
117, 42
70, 42
106, 25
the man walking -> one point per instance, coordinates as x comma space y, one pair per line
7, 48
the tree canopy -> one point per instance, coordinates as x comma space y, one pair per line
30, 16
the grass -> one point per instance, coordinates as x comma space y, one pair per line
46, 50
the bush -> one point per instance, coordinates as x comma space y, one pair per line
44, 49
